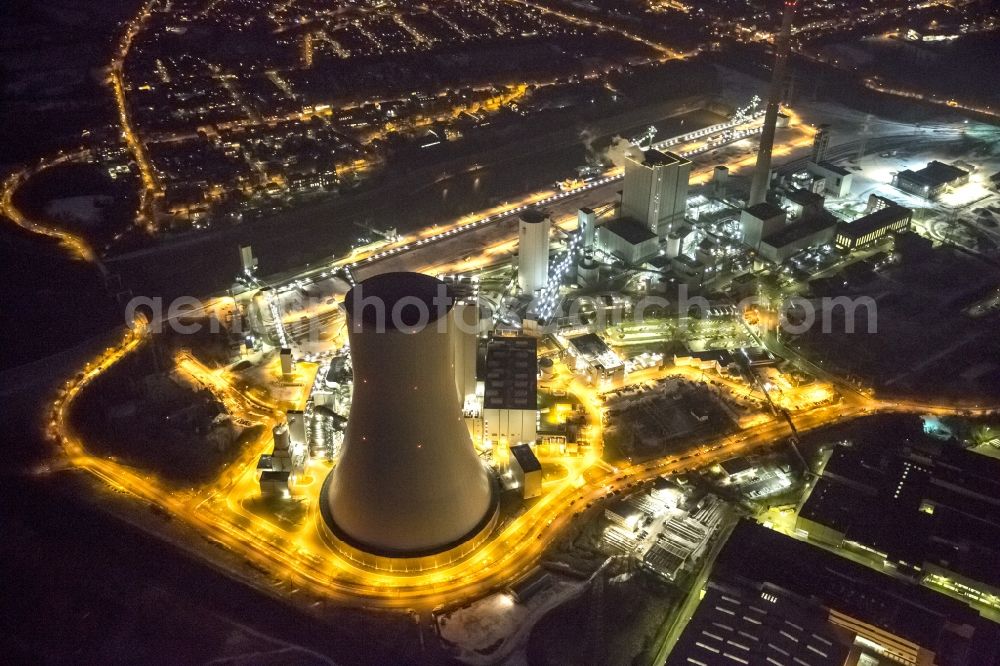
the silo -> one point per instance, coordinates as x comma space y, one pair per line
533, 250
588, 271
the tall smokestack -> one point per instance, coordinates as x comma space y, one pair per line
762, 173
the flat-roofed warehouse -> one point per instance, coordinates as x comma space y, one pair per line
758, 625
931, 181
894, 615
938, 514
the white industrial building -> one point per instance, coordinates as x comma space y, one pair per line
655, 190
720, 181
467, 325
587, 223
628, 240
276, 472
296, 426
533, 251
837, 180
247, 261
761, 220
287, 361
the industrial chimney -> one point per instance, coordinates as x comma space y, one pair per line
409, 491
762, 172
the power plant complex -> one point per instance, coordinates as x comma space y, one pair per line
410, 491
436, 409
541, 360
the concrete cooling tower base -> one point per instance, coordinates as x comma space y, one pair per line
371, 557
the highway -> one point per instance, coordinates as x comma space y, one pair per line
77, 247
873, 83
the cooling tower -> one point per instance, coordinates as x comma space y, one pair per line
409, 485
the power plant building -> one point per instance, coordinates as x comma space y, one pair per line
761, 220
274, 483
628, 240
655, 190
510, 390
276, 471
837, 180
872, 227
801, 203
588, 271
526, 470
788, 241
409, 491
688, 271
533, 251
593, 358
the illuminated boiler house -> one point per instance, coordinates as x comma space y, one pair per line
409, 491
